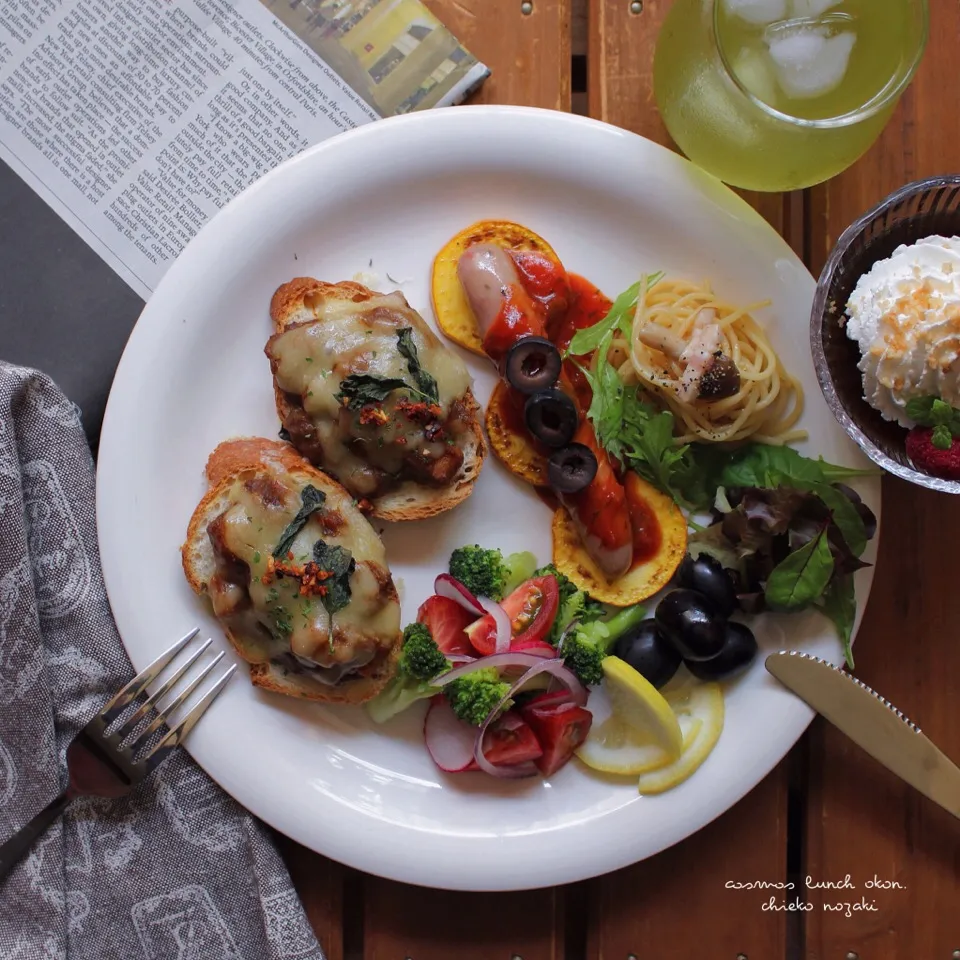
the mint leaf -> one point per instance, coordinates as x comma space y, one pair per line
941, 414
311, 500
801, 578
839, 603
425, 381
918, 409
941, 437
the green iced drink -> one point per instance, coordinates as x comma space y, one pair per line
782, 94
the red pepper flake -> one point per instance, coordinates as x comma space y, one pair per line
371, 415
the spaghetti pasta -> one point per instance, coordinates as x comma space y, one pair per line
769, 401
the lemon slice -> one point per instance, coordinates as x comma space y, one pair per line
614, 747
642, 734
699, 707
637, 703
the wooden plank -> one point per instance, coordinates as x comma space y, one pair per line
529, 54
409, 922
861, 820
675, 905
319, 882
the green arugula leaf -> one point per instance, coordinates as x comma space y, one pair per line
587, 340
763, 465
801, 578
408, 349
339, 563
359, 389
311, 500
839, 603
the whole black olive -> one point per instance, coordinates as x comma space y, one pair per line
572, 468
551, 416
692, 623
649, 652
532, 364
707, 575
739, 649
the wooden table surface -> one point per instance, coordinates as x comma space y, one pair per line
828, 810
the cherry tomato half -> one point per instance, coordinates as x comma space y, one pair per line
532, 608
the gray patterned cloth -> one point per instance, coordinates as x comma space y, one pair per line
177, 869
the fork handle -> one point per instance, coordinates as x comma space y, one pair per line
13, 849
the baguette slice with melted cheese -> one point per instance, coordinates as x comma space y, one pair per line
278, 620
407, 458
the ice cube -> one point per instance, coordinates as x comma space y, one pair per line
812, 8
754, 71
809, 62
757, 11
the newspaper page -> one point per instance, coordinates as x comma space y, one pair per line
136, 120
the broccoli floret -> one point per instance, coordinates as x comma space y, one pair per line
487, 573
476, 694
567, 587
420, 657
585, 647
421, 661
578, 606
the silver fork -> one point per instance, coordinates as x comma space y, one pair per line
104, 759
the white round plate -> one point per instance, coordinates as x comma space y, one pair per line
383, 199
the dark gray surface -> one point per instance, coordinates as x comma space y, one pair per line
62, 309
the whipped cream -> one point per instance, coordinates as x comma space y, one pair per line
905, 315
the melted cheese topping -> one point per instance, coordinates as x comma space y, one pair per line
312, 360
277, 619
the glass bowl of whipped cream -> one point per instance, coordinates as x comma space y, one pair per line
885, 333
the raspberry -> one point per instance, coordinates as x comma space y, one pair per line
930, 459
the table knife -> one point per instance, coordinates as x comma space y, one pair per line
871, 722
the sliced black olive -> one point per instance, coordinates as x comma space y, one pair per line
720, 380
649, 652
692, 624
707, 575
551, 416
532, 364
572, 468
739, 649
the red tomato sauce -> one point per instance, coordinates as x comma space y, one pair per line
647, 533
588, 305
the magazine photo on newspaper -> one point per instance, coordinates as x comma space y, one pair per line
137, 121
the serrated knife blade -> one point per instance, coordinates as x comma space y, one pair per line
871, 722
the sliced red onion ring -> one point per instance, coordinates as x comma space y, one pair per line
453, 589
449, 740
504, 626
498, 660
459, 658
554, 667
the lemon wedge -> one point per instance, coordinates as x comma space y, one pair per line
699, 708
642, 734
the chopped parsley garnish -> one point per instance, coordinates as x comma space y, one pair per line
256, 556
312, 500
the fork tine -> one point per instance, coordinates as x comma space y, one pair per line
128, 726
170, 707
136, 686
176, 736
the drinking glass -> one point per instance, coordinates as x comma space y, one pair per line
778, 95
